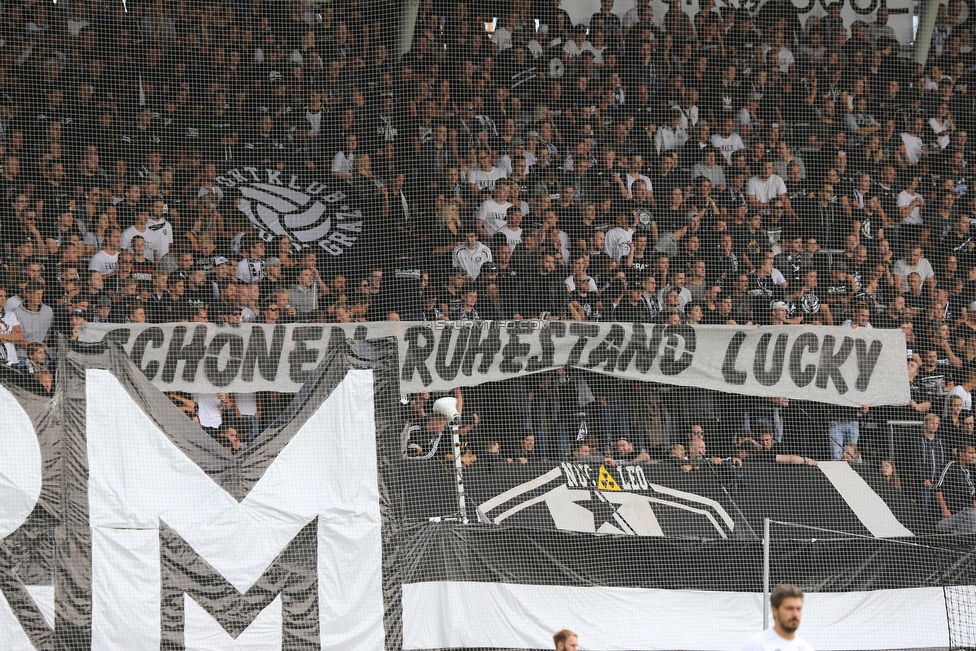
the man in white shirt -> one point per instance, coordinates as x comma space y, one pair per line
11, 334
106, 261
671, 136
490, 217
912, 146
512, 231
727, 140
471, 255
141, 228
764, 189
910, 203
342, 161
913, 263
482, 179
161, 228
634, 173
786, 602
617, 242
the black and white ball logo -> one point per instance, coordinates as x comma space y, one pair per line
309, 213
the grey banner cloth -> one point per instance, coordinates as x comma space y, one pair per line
837, 365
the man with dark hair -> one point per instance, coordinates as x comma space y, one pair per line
252, 268
786, 602
34, 316
955, 494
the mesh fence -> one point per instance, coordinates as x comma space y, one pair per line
434, 325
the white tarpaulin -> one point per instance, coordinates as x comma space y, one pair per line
138, 479
833, 365
618, 619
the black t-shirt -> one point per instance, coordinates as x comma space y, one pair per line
587, 302
933, 381
956, 486
762, 291
837, 291
645, 214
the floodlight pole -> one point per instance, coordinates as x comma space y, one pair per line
458, 474
765, 573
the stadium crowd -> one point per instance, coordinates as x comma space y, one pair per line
722, 168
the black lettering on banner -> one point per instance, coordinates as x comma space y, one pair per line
584, 332
635, 349
729, 373
301, 354
449, 370
415, 359
291, 577
674, 336
487, 347
154, 336
607, 350
830, 363
118, 336
513, 349
548, 357
803, 376
866, 11
867, 358
211, 362
772, 376
261, 355
190, 353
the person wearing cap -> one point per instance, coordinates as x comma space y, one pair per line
778, 311
633, 305
103, 310
224, 269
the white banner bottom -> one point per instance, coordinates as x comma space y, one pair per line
502, 615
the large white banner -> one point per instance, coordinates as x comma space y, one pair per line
836, 365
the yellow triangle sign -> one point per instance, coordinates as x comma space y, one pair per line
606, 481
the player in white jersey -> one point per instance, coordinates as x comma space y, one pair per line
787, 606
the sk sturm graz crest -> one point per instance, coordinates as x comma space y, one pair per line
310, 213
